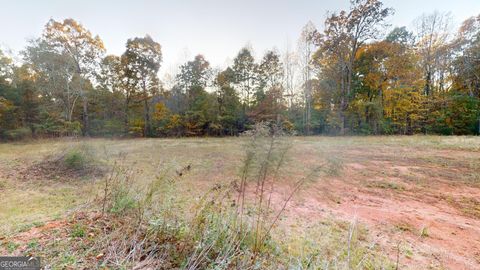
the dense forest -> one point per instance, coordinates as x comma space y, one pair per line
359, 75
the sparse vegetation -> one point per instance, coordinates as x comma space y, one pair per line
334, 166
424, 232
404, 227
78, 230
11, 247
224, 231
385, 185
188, 214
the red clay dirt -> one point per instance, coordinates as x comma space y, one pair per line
425, 202
427, 220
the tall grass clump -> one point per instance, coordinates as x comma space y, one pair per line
266, 154
78, 160
79, 157
119, 195
230, 226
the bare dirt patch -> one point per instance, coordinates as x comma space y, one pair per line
70, 163
416, 200
414, 204
55, 169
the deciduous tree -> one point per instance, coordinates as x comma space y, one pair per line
70, 39
142, 60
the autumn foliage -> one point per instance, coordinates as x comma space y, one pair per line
350, 78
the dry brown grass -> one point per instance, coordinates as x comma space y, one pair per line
387, 183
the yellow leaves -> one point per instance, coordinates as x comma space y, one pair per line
391, 70
161, 111
175, 121
100, 43
319, 103
400, 103
136, 127
287, 125
361, 51
25, 73
449, 121
71, 37
373, 80
5, 105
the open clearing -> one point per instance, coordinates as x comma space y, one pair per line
416, 198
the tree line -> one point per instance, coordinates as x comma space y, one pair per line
353, 77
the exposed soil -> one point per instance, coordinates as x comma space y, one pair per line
435, 223
54, 168
420, 203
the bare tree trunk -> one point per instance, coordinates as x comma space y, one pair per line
478, 128
147, 128
127, 103
343, 119
343, 103
85, 116
428, 81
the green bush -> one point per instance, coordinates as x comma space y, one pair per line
74, 160
107, 128
78, 231
18, 134
73, 128
122, 200
53, 125
78, 157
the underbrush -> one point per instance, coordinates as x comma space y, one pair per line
234, 225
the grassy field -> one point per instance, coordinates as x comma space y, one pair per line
412, 201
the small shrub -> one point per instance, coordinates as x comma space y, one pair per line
386, 185
404, 227
424, 232
33, 244
334, 166
12, 246
78, 230
75, 159
18, 134
78, 158
68, 261
122, 200
118, 192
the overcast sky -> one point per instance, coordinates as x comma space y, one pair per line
184, 28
